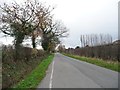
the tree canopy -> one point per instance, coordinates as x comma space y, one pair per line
31, 19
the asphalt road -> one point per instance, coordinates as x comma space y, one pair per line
66, 72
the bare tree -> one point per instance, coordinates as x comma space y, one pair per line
95, 40
52, 34
18, 21
44, 17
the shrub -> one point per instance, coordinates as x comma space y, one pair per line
15, 70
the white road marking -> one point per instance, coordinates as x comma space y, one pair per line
51, 77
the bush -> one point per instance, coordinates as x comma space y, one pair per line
14, 70
106, 52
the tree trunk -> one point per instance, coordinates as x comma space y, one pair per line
33, 41
19, 39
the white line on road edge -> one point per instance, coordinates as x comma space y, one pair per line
51, 77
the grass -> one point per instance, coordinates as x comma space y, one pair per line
103, 63
34, 78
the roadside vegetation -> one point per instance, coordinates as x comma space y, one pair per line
98, 49
113, 65
30, 21
13, 71
96, 46
34, 78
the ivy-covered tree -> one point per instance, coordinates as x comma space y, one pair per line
32, 19
17, 21
51, 36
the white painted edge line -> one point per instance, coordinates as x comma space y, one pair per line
51, 77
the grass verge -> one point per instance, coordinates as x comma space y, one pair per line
34, 78
103, 63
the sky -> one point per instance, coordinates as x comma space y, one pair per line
82, 17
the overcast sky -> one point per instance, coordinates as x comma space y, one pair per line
82, 17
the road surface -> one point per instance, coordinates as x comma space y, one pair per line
66, 72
